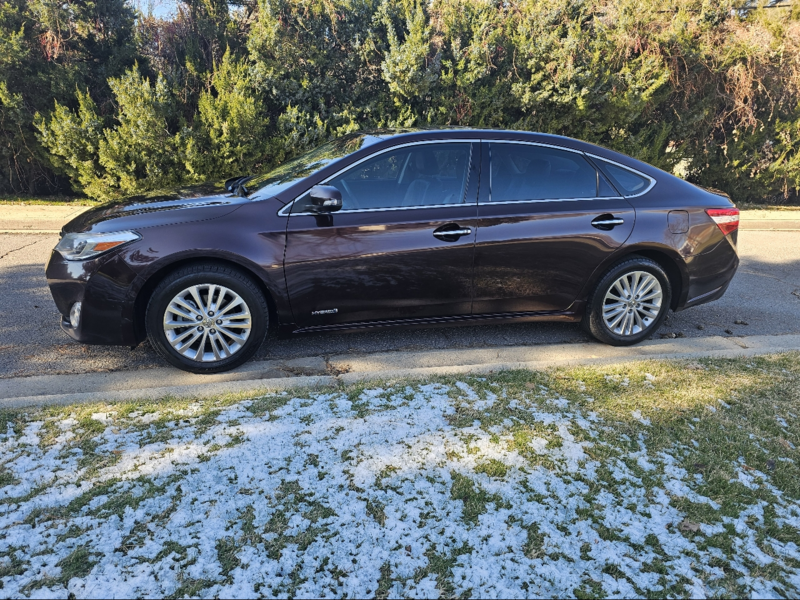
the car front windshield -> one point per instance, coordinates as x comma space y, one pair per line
292, 171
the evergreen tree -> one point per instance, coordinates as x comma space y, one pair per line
230, 134
140, 152
49, 48
710, 91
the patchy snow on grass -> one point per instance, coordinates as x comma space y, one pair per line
410, 491
637, 414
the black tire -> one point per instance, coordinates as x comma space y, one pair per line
593, 321
205, 274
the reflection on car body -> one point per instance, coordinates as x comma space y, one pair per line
408, 228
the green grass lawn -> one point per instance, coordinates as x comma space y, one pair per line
777, 207
46, 201
651, 479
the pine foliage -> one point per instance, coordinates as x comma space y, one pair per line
710, 91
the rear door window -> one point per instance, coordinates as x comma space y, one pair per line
522, 172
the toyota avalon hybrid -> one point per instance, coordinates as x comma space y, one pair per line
391, 228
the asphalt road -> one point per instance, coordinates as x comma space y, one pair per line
765, 294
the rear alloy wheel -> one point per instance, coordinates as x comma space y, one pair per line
630, 302
206, 319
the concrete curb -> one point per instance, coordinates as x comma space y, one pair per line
205, 390
348, 378
146, 379
35, 218
767, 225
757, 214
315, 371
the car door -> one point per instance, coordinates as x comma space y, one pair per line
546, 219
401, 246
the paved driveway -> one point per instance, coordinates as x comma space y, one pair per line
765, 294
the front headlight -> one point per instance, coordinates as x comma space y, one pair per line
80, 246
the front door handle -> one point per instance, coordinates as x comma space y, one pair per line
607, 222
451, 232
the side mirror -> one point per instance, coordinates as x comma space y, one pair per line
326, 198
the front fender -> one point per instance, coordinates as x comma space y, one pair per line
250, 238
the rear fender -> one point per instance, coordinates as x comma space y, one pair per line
669, 259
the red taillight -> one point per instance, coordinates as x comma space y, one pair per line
727, 219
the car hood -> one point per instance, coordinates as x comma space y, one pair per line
181, 205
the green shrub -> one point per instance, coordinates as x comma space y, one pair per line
710, 92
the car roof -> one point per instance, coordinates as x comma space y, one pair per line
377, 140
457, 132
397, 136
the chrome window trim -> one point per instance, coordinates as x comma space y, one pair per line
286, 210
627, 168
367, 210
490, 203
542, 144
539, 200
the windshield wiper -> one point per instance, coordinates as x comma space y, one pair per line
236, 185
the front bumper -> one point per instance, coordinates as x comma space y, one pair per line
103, 286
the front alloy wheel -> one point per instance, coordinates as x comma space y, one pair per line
207, 322
207, 318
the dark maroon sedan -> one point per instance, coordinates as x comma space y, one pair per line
397, 228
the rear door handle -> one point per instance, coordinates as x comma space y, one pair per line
607, 222
451, 232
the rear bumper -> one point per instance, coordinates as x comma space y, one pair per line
710, 274
106, 313
714, 294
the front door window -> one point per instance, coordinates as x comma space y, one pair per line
419, 175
